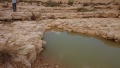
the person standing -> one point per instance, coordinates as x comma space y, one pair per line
14, 5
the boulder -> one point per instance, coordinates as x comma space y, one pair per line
21, 16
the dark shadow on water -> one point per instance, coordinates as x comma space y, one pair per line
106, 41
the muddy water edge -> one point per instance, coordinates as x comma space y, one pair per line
73, 50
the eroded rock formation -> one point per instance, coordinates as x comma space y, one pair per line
21, 32
24, 37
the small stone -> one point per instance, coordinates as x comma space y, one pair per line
42, 67
45, 64
119, 16
56, 66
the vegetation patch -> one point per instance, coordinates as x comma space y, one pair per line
119, 8
5, 1
51, 3
52, 17
86, 4
5, 6
70, 2
84, 10
33, 17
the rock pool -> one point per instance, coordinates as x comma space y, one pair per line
81, 51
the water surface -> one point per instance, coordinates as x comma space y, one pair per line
81, 51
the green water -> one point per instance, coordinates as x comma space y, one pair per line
81, 51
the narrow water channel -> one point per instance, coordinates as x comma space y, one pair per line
81, 51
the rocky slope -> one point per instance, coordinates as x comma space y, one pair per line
27, 35
21, 32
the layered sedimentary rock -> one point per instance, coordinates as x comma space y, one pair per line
106, 28
22, 41
37, 12
23, 38
38, 15
98, 1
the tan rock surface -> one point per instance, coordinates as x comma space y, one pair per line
108, 28
98, 1
27, 35
21, 40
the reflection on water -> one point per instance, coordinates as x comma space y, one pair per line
81, 51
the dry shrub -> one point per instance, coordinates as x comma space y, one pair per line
5, 1
51, 3
0, 14
70, 2
86, 4
52, 17
60, 2
84, 10
119, 8
21, 0
116, 3
35, 16
5, 5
